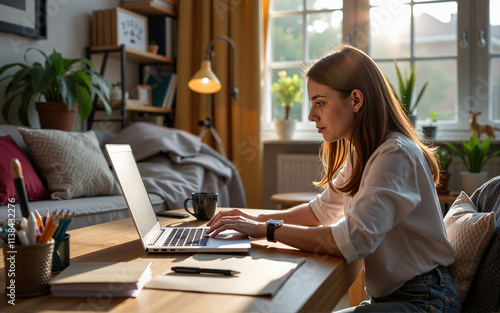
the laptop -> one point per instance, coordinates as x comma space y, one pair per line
157, 239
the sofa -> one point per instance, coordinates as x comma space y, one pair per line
173, 164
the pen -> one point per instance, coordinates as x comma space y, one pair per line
17, 174
199, 270
32, 228
23, 237
39, 221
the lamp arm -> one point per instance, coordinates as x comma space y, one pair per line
233, 92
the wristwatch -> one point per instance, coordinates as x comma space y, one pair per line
272, 224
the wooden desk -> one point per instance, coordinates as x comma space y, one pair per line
316, 286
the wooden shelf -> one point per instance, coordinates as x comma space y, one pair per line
148, 109
134, 55
148, 8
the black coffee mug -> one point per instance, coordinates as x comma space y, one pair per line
204, 205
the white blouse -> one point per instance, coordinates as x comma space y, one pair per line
394, 221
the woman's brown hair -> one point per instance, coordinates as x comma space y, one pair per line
346, 69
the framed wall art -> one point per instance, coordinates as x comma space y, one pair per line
144, 94
27, 18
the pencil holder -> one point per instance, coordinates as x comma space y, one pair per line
60, 259
28, 269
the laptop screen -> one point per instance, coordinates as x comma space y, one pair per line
133, 189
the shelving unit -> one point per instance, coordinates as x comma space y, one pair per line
142, 58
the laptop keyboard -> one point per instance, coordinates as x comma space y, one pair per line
190, 237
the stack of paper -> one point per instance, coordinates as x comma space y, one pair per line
101, 279
258, 276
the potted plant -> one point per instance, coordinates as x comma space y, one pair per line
153, 47
444, 161
288, 90
407, 91
430, 131
474, 157
58, 87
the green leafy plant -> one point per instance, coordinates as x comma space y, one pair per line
56, 79
407, 89
152, 43
287, 90
444, 159
434, 117
476, 153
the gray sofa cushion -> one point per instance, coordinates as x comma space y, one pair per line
484, 294
89, 210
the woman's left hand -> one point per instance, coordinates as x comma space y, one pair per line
236, 220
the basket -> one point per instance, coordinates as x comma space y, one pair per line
28, 269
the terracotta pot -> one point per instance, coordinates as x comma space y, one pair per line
55, 115
153, 48
442, 188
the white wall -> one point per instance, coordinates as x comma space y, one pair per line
69, 32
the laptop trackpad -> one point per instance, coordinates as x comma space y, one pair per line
231, 235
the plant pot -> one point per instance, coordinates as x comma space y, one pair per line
442, 188
412, 118
472, 181
285, 129
153, 48
55, 115
429, 132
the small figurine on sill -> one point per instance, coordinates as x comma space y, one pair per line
477, 129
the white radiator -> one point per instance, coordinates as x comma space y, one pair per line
296, 172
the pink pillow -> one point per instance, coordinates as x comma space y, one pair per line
34, 187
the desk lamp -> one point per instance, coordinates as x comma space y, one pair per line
204, 81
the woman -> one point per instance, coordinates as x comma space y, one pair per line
382, 205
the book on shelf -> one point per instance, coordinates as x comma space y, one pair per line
163, 30
117, 26
102, 279
164, 3
163, 89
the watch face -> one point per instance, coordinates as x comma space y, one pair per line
275, 222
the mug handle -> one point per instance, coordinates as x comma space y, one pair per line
186, 208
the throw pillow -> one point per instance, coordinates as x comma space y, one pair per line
34, 187
469, 233
72, 163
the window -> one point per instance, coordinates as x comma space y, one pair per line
457, 50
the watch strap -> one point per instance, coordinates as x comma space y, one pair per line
271, 227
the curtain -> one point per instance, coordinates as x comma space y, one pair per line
236, 121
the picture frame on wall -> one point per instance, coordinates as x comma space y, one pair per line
27, 18
144, 94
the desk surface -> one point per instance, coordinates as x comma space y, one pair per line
316, 286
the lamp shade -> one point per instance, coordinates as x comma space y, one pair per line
205, 81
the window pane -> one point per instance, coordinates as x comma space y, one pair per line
277, 111
390, 31
495, 89
287, 38
440, 96
435, 29
286, 5
324, 30
495, 25
324, 4
441, 93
